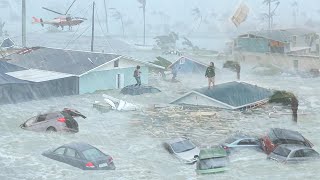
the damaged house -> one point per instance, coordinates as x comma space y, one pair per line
95, 71
231, 95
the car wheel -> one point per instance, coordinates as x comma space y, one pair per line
51, 130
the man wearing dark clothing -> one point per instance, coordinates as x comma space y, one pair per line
210, 74
136, 75
294, 108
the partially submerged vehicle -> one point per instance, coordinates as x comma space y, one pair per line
182, 148
239, 141
293, 153
212, 160
110, 103
277, 136
81, 155
138, 90
59, 121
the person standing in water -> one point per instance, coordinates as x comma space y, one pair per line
136, 75
210, 74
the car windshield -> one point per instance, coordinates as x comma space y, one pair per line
93, 154
211, 163
182, 146
282, 151
230, 140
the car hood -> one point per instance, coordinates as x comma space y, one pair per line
189, 155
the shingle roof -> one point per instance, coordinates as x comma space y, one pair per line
60, 60
236, 94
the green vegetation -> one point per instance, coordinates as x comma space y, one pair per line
282, 97
232, 65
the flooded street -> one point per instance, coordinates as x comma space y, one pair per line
134, 139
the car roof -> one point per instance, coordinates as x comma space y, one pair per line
212, 153
239, 136
293, 147
175, 140
79, 146
287, 134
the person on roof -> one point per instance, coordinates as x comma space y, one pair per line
136, 75
210, 74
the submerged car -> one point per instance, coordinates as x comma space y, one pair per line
81, 155
277, 136
183, 149
60, 121
238, 141
212, 160
293, 153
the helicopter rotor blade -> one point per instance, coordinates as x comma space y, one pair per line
70, 7
52, 11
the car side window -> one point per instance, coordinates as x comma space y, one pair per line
243, 142
70, 152
78, 156
299, 153
310, 153
41, 117
247, 142
59, 151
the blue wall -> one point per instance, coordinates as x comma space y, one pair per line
189, 67
104, 80
253, 44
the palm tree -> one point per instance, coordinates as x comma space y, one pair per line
118, 16
197, 16
143, 3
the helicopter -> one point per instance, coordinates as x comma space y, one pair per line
61, 21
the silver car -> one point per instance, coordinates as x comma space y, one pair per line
183, 149
241, 141
60, 121
293, 153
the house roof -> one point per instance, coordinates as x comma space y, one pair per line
281, 35
60, 60
35, 75
234, 95
7, 67
7, 43
6, 79
190, 59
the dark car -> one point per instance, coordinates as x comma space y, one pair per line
81, 155
293, 153
277, 136
60, 121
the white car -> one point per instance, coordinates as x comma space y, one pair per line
183, 149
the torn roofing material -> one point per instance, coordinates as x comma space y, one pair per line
232, 95
60, 60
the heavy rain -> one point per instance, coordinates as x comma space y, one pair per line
156, 89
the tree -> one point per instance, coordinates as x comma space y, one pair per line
197, 16
143, 3
118, 16
271, 13
167, 42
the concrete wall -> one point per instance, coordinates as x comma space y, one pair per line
107, 79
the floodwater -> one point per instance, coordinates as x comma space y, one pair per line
134, 139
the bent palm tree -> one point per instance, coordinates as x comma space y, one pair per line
118, 16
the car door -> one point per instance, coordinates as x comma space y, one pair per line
73, 158
58, 154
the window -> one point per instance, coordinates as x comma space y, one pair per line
93, 154
52, 116
282, 151
182, 146
211, 163
299, 153
310, 153
41, 118
248, 142
71, 152
116, 63
59, 151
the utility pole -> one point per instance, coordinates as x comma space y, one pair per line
24, 38
92, 31
106, 12
269, 16
144, 24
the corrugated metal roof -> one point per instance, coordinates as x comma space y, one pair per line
60, 60
236, 94
7, 67
35, 75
